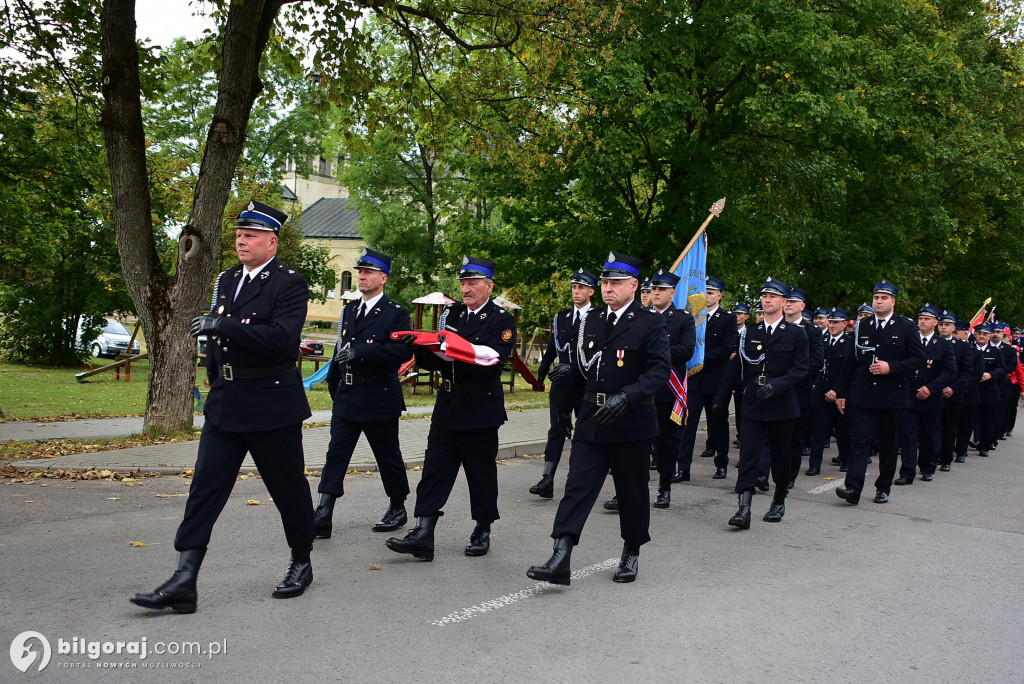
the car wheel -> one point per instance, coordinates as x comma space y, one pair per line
95, 350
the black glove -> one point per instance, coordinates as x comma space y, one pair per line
409, 341
565, 422
764, 391
614, 408
345, 355
560, 371
207, 324
332, 388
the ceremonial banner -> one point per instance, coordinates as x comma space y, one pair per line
979, 317
691, 295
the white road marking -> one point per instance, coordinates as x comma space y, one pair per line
827, 487
509, 599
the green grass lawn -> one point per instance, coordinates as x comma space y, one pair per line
46, 394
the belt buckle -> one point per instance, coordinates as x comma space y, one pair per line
226, 372
600, 398
447, 385
348, 378
762, 380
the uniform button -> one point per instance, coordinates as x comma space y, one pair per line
277, 382
225, 348
229, 315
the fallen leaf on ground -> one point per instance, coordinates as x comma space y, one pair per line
375, 567
168, 496
137, 543
252, 502
113, 498
830, 478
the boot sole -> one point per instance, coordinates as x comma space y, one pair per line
422, 555
740, 524
623, 579
176, 607
563, 581
326, 534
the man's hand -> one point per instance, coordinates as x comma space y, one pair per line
830, 396
614, 408
345, 355
207, 324
565, 422
841, 405
560, 371
880, 368
947, 392
765, 391
409, 341
923, 393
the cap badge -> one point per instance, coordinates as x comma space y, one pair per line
465, 260
611, 257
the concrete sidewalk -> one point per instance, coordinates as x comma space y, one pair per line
524, 433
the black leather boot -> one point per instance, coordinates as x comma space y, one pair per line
546, 487
628, 564
776, 510
556, 570
420, 540
179, 592
742, 517
322, 516
394, 518
299, 575
480, 540
664, 499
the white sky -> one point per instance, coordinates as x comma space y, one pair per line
164, 20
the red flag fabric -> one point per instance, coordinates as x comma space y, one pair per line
452, 346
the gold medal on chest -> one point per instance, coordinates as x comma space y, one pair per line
621, 353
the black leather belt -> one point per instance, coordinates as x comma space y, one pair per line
368, 379
230, 373
599, 398
449, 386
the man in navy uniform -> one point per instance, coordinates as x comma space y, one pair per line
256, 405
720, 336
821, 320
991, 399
682, 340
771, 361
966, 423
968, 374
875, 393
1005, 386
646, 293
742, 312
363, 381
623, 361
794, 310
469, 409
565, 398
826, 419
922, 424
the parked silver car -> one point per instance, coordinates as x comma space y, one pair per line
112, 340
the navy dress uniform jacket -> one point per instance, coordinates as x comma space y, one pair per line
376, 356
898, 344
720, 336
564, 396
938, 373
682, 340
815, 359
969, 365
639, 341
993, 364
836, 357
784, 367
260, 329
471, 396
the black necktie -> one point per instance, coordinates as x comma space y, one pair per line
245, 281
768, 329
575, 318
832, 343
609, 324
362, 310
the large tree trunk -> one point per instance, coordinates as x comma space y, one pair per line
166, 303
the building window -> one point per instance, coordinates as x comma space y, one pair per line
325, 167
346, 281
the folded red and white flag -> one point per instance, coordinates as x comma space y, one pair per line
450, 346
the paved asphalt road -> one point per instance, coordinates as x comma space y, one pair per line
927, 588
